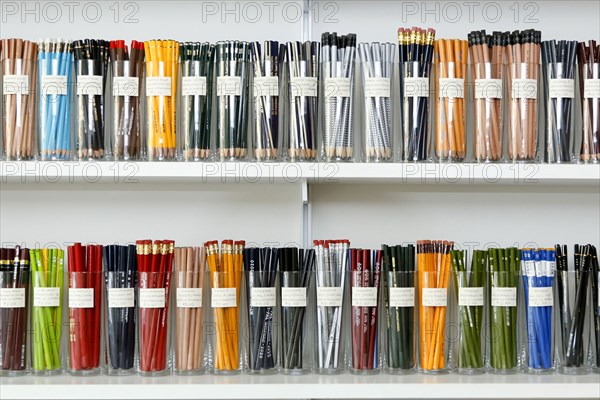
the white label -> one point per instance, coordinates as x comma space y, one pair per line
304, 86
364, 297
452, 88
189, 297
416, 87
504, 297
223, 298
470, 296
12, 298
433, 297
81, 298
377, 87
337, 87
193, 86
562, 88
329, 296
266, 86
540, 297
402, 297
158, 86
524, 89
54, 85
293, 297
121, 298
90, 85
262, 297
229, 86
46, 297
15, 84
591, 89
488, 88
126, 86
152, 298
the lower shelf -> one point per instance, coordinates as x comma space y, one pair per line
302, 387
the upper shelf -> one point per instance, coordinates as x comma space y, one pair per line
249, 172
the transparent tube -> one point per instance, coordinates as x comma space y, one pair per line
196, 108
126, 139
488, 111
90, 110
590, 141
414, 111
15, 322
523, 81
560, 119
450, 137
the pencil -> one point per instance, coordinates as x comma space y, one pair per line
588, 60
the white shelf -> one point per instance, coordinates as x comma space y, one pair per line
310, 386
248, 172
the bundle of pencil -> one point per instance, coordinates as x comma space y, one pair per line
85, 267
154, 273
451, 57
126, 64
189, 281
14, 283
161, 62
47, 268
487, 60
19, 62
588, 60
433, 265
523, 57
225, 265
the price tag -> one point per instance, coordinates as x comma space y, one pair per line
189, 297
262, 297
193, 86
562, 88
15, 84
229, 86
121, 298
402, 297
90, 85
377, 87
488, 88
504, 297
452, 88
470, 296
434, 297
337, 87
158, 86
126, 86
12, 298
364, 297
416, 87
591, 90
293, 297
81, 298
54, 85
304, 86
541, 297
524, 89
329, 296
152, 298
46, 297
266, 86
223, 298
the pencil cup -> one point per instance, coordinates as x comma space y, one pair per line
330, 321
295, 339
523, 82
400, 319
189, 319
559, 109
338, 109
90, 109
85, 323
590, 141
468, 351
161, 106
47, 322
502, 298
153, 327
364, 358
20, 106
488, 111
120, 330
266, 142
196, 105
414, 111
433, 323
14, 296
126, 139
573, 328
595, 316
450, 136
55, 105
225, 301
263, 323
